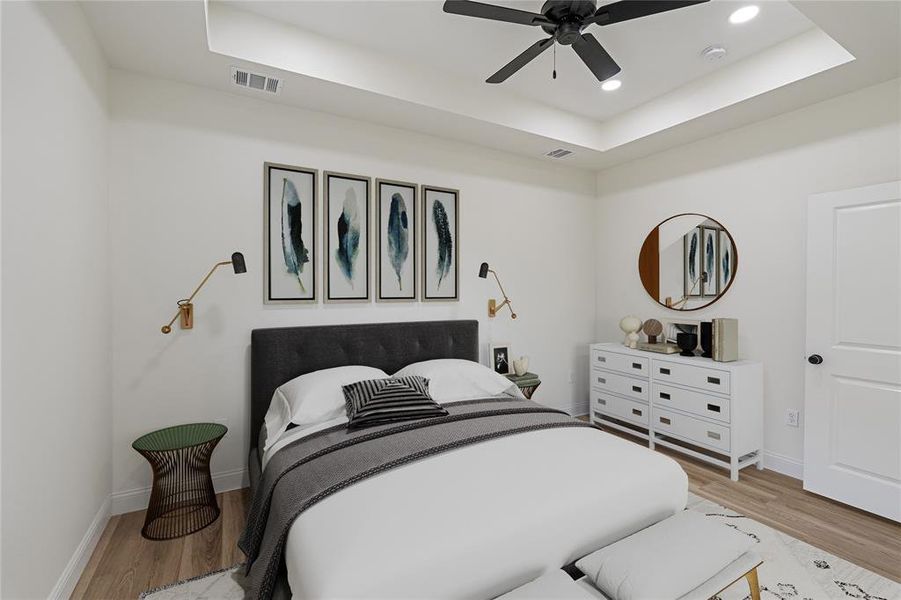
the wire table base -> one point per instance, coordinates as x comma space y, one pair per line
182, 500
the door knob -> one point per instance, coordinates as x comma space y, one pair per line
815, 359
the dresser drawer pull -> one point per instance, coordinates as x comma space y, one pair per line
664, 371
665, 421
636, 388
713, 435
602, 359
636, 412
602, 401
713, 380
601, 380
636, 365
713, 407
664, 395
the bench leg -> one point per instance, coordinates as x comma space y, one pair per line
751, 576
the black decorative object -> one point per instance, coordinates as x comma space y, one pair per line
182, 500
687, 343
290, 227
564, 22
707, 339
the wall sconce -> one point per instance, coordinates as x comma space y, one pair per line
186, 307
493, 306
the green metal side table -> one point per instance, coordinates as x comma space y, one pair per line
527, 383
182, 500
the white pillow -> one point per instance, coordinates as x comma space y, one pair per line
312, 398
454, 379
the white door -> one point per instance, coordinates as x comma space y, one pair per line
852, 432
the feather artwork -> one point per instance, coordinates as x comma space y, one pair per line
348, 235
398, 235
692, 257
445, 242
296, 254
726, 267
709, 255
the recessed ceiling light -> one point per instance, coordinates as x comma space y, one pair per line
744, 14
611, 84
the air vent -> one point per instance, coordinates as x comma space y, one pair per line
559, 153
256, 81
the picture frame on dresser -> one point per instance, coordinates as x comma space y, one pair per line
346, 224
440, 243
397, 241
708, 410
290, 245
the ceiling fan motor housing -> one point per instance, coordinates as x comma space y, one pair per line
568, 16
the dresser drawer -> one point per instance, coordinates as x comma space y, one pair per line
691, 429
621, 363
712, 380
637, 389
698, 403
620, 408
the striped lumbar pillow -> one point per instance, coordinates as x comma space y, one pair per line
379, 401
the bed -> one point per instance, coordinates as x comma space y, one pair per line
470, 522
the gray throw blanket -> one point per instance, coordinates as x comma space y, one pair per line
316, 466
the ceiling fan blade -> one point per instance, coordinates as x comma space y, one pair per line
520, 61
467, 8
595, 57
626, 10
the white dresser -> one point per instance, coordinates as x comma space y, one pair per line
712, 411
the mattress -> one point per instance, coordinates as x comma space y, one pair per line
481, 520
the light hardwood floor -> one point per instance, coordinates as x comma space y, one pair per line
124, 564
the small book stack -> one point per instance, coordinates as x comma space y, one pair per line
725, 340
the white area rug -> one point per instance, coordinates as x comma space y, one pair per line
792, 570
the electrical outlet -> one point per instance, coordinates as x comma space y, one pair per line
793, 418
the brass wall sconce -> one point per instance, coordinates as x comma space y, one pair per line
493, 306
186, 306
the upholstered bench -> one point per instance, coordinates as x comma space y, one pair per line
685, 557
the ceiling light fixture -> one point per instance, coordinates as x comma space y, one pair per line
744, 14
611, 85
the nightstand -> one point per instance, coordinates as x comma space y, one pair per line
183, 499
527, 382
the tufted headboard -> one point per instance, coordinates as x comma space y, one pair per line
280, 354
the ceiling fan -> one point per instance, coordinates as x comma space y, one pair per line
564, 21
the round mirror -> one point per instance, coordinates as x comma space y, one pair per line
687, 262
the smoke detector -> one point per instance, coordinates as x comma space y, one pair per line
559, 153
714, 53
255, 81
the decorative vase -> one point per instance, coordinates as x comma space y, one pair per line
687, 343
707, 339
630, 325
521, 365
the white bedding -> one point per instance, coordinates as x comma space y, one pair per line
481, 520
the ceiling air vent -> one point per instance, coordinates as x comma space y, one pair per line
256, 81
559, 153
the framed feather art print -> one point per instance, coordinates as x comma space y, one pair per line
346, 199
289, 217
395, 224
440, 243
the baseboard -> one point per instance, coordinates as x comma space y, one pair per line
137, 499
783, 464
66, 583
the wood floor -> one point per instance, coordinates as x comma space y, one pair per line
125, 564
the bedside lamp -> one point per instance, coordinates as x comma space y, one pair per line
493, 306
186, 308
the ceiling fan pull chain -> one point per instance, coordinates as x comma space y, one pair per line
555, 61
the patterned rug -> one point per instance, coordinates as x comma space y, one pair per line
792, 570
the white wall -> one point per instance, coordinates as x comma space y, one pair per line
56, 422
186, 190
755, 181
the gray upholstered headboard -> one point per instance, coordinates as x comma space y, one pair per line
283, 353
